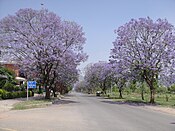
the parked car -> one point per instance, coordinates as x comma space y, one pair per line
98, 93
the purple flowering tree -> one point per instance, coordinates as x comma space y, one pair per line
146, 46
91, 78
98, 75
119, 75
40, 42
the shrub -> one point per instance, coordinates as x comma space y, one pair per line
23, 87
23, 94
2, 83
172, 88
16, 94
161, 90
10, 95
8, 87
17, 88
3, 94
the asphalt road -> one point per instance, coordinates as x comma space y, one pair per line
79, 112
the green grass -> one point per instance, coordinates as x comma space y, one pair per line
31, 104
160, 99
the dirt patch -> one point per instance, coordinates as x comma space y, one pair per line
3, 116
6, 105
162, 109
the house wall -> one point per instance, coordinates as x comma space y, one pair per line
13, 67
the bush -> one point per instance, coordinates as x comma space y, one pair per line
161, 90
23, 87
17, 88
3, 94
23, 94
15, 95
10, 95
8, 87
172, 88
2, 83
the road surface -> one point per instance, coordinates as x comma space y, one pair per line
80, 112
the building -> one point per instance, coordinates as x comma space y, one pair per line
19, 75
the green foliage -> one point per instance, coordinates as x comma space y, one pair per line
10, 95
23, 94
69, 88
9, 73
3, 94
8, 87
7, 84
133, 86
162, 99
161, 89
172, 89
16, 94
17, 88
143, 87
2, 83
128, 90
23, 87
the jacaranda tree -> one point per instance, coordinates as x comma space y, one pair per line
146, 46
40, 41
98, 75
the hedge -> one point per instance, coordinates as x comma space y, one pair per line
10, 95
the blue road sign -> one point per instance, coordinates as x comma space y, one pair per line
31, 84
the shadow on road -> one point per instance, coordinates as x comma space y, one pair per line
57, 102
89, 95
131, 103
172, 123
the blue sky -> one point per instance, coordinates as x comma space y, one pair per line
99, 18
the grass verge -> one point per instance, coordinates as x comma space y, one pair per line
31, 104
165, 100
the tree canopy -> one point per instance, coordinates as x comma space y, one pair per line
145, 46
43, 44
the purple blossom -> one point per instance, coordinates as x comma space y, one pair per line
44, 44
145, 46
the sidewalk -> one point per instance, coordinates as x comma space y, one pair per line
6, 105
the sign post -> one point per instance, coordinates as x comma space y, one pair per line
27, 92
30, 84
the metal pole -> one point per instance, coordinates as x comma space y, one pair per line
27, 92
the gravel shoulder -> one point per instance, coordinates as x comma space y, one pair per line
7, 105
162, 109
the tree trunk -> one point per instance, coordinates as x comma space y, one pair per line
39, 89
150, 81
54, 92
104, 87
47, 93
142, 94
152, 91
120, 94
